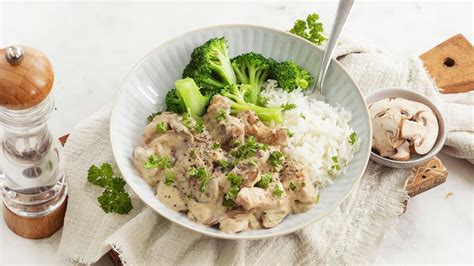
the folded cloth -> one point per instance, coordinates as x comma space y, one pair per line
458, 109
349, 234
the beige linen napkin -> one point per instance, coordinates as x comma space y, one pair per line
349, 234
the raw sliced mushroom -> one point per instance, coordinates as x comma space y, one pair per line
403, 152
403, 107
394, 132
423, 132
385, 134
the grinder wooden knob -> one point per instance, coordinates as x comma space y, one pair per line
26, 77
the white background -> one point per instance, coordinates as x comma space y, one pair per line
93, 46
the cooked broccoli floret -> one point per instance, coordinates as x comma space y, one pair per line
174, 103
290, 76
210, 66
236, 93
195, 103
252, 68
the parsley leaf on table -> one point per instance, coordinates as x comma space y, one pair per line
114, 198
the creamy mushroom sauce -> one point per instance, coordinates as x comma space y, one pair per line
230, 172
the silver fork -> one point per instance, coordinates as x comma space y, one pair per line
343, 10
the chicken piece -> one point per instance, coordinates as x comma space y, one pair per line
174, 122
291, 169
274, 217
221, 125
170, 196
210, 193
203, 150
249, 172
140, 156
206, 213
254, 198
255, 127
298, 186
172, 144
234, 225
237, 221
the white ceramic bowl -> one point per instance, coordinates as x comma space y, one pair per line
144, 89
412, 96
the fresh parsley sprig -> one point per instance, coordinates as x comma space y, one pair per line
311, 29
249, 149
157, 162
201, 174
276, 158
352, 138
288, 106
114, 198
231, 194
264, 181
161, 127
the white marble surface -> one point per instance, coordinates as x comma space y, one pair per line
93, 45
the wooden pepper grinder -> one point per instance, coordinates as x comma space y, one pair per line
32, 163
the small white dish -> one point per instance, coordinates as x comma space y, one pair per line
412, 96
143, 92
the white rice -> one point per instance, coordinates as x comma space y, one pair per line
322, 134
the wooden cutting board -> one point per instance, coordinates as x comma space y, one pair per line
451, 65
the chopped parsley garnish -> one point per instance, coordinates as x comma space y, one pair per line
252, 162
290, 134
316, 199
152, 116
293, 186
232, 193
352, 138
275, 158
249, 149
216, 145
169, 179
227, 203
157, 162
288, 106
201, 174
187, 120
336, 163
114, 198
302, 115
192, 154
221, 116
235, 182
161, 127
228, 164
277, 191
264, 181
199, 127
236, 142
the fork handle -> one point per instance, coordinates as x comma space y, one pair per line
343, 10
